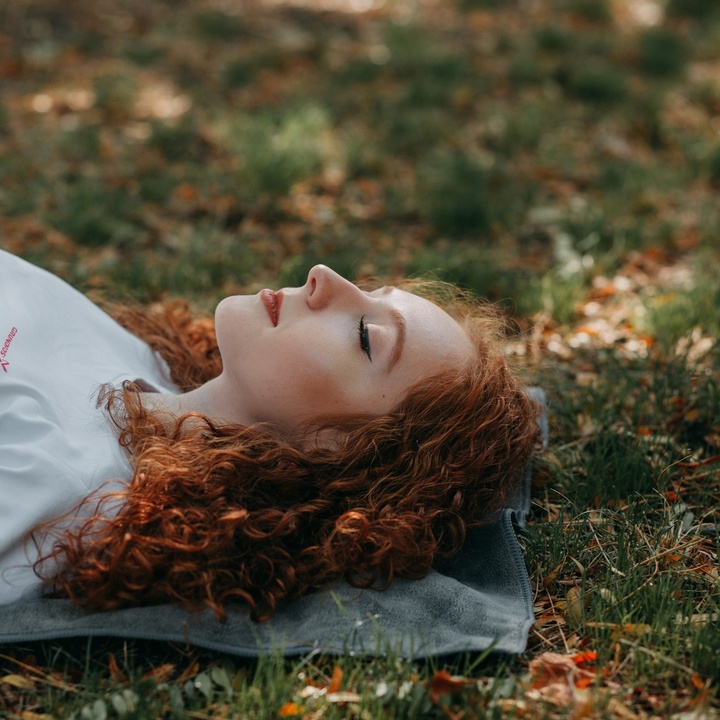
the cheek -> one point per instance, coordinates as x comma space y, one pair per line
306, 378
320, 383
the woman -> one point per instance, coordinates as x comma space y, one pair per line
311, 433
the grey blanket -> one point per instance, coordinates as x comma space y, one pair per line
480, 600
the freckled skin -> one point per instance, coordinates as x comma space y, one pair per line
312, 363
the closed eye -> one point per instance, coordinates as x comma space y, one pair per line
364, 334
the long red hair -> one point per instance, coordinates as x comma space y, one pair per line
218, 513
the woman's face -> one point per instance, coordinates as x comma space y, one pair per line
329, 348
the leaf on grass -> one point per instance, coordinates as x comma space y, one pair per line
290, 709
335, 680
555, 676
343, 697
160, 673
17, 681
115, 672
190, 671
583, 658
312, 691
616, 707
550, 578
443, 683
187, 192
575, 605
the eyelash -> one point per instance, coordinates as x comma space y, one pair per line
364, 338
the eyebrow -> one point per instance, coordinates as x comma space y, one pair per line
399, 323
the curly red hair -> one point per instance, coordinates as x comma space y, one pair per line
217, 513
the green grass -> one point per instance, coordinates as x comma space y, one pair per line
147, 681
547, 157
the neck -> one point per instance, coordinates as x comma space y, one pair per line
209, 400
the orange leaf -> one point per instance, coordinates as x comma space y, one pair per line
115, 672
588, 656
550, 669
335, 680
187, 192
291, 708
160, 673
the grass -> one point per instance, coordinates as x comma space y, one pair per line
557, 158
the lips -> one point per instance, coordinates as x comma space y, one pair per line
272, 302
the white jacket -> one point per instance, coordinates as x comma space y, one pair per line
56, 446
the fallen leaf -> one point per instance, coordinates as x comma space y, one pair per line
343, 697
555, 669
190, 671
160, 673
443, 683
575, 605
335, 680
582, 658
17, 681
550, 578
290, 709
616, 707
311, 691
115, 672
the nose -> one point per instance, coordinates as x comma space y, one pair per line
325, 285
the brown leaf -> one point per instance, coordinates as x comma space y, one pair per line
160, 673
190, 671
443, 683
335, 680
550, 578
552, 668
115, 672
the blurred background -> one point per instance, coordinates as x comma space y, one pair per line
561, 157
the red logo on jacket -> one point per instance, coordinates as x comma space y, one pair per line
6, 347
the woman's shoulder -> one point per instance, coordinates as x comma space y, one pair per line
15, 264
22, 279
52, 333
